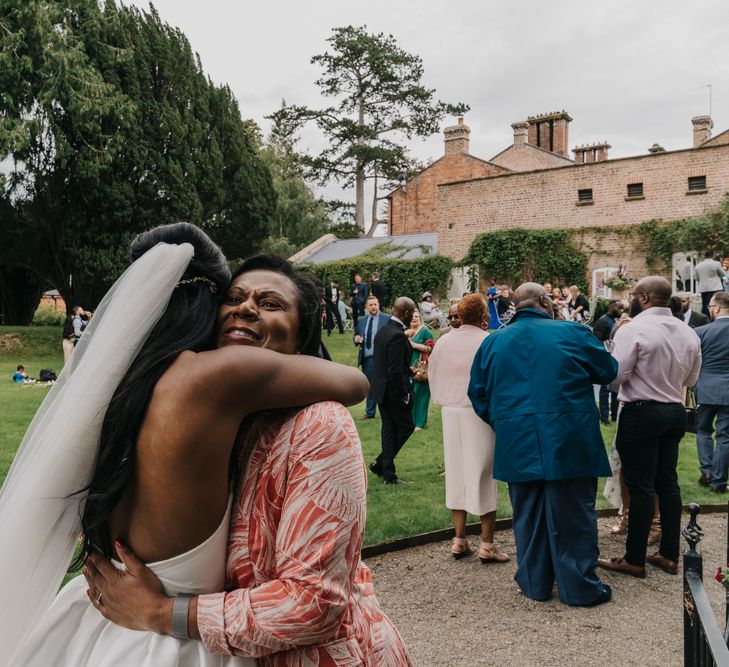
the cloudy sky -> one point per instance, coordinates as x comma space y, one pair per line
628, 72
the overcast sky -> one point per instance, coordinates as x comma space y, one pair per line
626, 70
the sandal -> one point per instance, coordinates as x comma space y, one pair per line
621, 527
488, 552
460, 547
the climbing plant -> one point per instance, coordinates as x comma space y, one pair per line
518, 255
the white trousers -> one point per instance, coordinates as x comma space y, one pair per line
468, 445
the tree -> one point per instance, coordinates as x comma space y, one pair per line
112, 127
378, 101
299, 217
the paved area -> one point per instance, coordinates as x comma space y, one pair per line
462, 613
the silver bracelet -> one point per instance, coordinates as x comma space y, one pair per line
180, 607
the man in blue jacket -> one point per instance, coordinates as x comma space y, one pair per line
533, 383
364, 337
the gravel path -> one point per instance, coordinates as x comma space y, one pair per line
462, 613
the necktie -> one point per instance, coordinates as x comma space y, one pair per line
368, 333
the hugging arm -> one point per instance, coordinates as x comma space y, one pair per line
259, 379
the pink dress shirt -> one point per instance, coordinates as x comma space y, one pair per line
449, 365
658, 355
299, 595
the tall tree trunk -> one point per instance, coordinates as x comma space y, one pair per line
375, 199
360, 175
20, 292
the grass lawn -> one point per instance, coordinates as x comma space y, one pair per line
393, 511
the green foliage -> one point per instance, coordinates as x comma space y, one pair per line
518, 255
278, 245
299, 217
707, 232
47, 317
379, 101
403, 277
112, 127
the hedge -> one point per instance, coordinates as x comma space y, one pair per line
402, 277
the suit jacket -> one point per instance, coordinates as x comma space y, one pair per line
709, 274
361, 295
377, 289
712, 387
391, 372
603, 327
328, 295
697, 320
532, 382
361, 330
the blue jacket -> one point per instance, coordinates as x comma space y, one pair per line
532, 382
712, 387
360, 330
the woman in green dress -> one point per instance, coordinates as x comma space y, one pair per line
422, 342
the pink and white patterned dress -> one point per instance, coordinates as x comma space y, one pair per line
299, 594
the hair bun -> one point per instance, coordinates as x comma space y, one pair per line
208, 260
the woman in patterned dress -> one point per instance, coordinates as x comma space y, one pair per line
297, 590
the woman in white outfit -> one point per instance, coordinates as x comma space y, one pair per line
133, 445
468, 442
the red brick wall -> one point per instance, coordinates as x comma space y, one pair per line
415, 210
547, 199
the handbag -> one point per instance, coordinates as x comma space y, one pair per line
420, 371
691, 407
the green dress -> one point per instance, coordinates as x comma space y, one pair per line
421, 390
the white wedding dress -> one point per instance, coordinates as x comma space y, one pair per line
74, 634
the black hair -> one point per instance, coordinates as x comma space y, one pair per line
709, 253
188, 323
20, 368
676, 307
309, 300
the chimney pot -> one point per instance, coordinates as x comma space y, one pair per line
456, 138
702, 129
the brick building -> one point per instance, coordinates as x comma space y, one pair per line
534, 183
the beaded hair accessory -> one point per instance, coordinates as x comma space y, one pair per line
199, 279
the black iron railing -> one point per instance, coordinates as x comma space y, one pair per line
703, 641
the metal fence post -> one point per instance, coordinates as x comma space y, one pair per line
691, 563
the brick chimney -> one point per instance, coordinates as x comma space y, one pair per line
702, 129
456, 138
550, 131
588, 153
521, 132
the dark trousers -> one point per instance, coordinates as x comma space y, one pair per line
608, 404
332, 315
555, 529
705, 298
368, 366
647, 441
357, 311
397, 426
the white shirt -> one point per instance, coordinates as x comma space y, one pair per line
658, 355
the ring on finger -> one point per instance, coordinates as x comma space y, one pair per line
98, 599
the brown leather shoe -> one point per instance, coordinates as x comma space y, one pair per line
669, 566
622, 566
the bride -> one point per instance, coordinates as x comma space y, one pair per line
132, 446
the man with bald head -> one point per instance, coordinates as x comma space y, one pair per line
658, 355
391, 387
532, 381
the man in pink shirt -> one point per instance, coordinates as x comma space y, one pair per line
658, 355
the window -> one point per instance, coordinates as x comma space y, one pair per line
584, 196
696, 183
635, 190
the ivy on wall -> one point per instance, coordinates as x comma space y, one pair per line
519, 255
402, 277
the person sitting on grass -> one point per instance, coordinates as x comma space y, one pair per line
21, 377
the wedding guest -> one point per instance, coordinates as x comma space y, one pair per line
688, 314
358, 294
454, 320
492, 296
332, 296
429, 311
602, 330
378, 289
364, 338
468, 442
709, 275
658, 356
578, 306
421, 342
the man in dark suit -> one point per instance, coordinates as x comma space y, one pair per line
391, 388
358, 294
690, 316
364, 336
331, 299
377, 288
602, 330
712, 395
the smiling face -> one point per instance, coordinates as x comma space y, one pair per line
416, 321
260, 309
